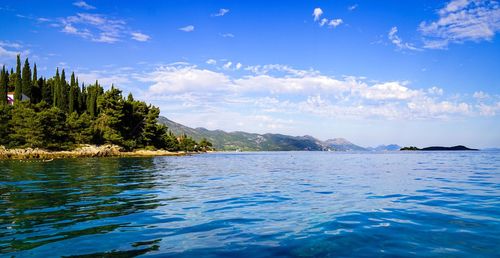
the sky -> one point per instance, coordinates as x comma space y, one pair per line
374, 72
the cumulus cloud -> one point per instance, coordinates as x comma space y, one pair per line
397, 41
211, 62
460, 21
188, 28
84, 5
333, 23
221, 12
317, 12
480, 95
140, 36
181, 78
9, 51
310, 92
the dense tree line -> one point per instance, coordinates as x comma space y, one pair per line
53, 113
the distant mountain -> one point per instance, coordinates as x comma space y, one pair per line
390, 147
246, 141
341, 144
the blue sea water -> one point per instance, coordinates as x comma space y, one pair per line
267, 204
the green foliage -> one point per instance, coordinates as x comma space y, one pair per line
18, 91
26, 79
4, 86
62, 115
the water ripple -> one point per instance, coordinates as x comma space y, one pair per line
285, 204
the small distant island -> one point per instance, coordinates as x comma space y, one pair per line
438, 148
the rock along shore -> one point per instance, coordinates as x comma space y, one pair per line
84, 151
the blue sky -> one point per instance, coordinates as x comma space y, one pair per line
374, 72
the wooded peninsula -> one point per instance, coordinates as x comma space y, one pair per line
56, 115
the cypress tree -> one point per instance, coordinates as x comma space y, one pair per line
4, 84
46, 90
34, 74
55, 89
72, 97
63, 88
18, 91
83, 99
26, 79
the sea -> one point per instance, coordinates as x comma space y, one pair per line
254, 204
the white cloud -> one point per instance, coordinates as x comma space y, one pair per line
227, 35
317, 13
9, 44
94, 27
9, 51
435, 91
167, 79
460, 21
221, 12
188, 28
211, 62
388, 90
227, 65
324, 21
140, 36
480, 95
352, 7
335, 22
397, 41
307, 92
84, 5
488, 110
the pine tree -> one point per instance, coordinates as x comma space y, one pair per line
55, 89
64, 92
18, 84
4, 85
26, 79
82, 100
72, 97
34, 73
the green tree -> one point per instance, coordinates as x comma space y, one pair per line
4, 86
25, 126
56, 92
26, 79
46, 87
79, 128
109, 121
5, 126
73, 95
18, 91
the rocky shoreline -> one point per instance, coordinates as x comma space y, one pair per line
85, 151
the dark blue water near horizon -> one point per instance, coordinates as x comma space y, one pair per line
265, 204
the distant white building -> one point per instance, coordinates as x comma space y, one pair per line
10, 98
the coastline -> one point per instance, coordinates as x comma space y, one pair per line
85, 151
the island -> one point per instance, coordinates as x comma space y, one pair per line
52, 117
438, 148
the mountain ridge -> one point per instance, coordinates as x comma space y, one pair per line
239, 140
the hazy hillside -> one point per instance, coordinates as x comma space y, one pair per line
267, 142
390, 147
341, 144
246, 141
